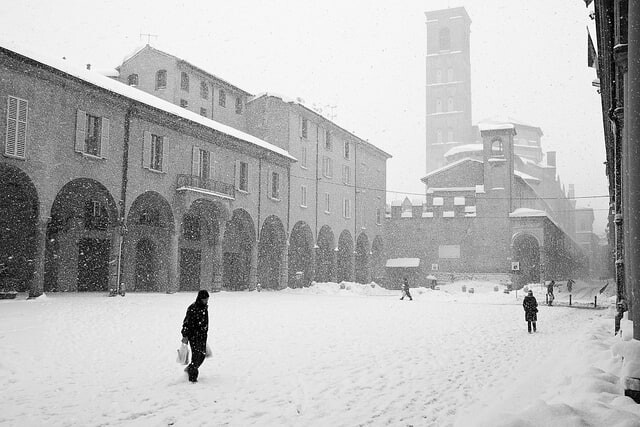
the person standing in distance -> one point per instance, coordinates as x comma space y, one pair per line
405, 290
194, 331
530, 311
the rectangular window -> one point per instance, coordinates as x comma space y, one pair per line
16, 140
346, 208
328, 144
378, 216
304, 127
346, 174
204, 90
238, 105
184, 103
275, 185
205, 160
347, 152
449, 251
303, 155
222, 98
327, 202
184, 81
203, 112
303, 196
244, 177
92, 134
438, 201
327, 167
157, 143
459, 201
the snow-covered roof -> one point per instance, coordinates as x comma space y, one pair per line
525, 176
466, 148
495, 126
397, 202
504, 120
527, 212
449, 166
403, 262
432, 190
132, 93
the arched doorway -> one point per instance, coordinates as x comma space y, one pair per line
344, 259
199, 238
270, 252
150, 225
300, 256
325, 255
362, 259
526, 251
146, 266
18, 225
239, 239
81, 236
377, 260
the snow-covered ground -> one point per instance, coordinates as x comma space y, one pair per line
321, 356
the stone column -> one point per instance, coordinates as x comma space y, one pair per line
284, 267
253, 269
36, 286
218, 269
173, 267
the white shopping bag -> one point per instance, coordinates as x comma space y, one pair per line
183, 354
209, 353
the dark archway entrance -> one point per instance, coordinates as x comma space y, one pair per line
526, 251
146, 266
344, 259
362, 259
270, 252
81, 236
326, 255
239, 239
150, 225
377, 260
18, 229
300, 256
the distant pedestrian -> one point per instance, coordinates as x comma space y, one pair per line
194, 331
550, 296
530, 311
405, 290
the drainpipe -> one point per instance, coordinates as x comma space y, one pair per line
123, 195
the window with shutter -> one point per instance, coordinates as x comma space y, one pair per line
303, 160
327, 202
275, 185
161, 79
157, 149
16, 137
303, 196
184, 81
243, 177
222, 98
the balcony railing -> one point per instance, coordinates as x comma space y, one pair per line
211, 185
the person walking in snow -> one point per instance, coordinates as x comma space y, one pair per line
405, 290
194, 331
550, 296
530, 311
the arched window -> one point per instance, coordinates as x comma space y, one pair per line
450, 135
439, 136
450, 104
449, 74
184, 81
438, 76
438, 105
496, 147
161, 79
445, 39
132, 80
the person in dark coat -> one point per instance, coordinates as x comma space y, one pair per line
405, 290
194, 331
530, 311
550, 296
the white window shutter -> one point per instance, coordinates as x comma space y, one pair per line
104, 138
12, 125
146, 149
81, 130
269, 192
211, 165
236, 174
165, 146
195, 161
249, 186
21, 137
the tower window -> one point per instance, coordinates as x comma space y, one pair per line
450, 104
439, 136
496, 147
445, 39
449, 74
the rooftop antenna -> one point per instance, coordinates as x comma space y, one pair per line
148, 36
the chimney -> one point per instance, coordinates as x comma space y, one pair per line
551, 158
88, 66
572, 192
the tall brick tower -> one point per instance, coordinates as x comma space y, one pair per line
448, 66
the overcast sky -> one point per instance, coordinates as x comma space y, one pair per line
367, 58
